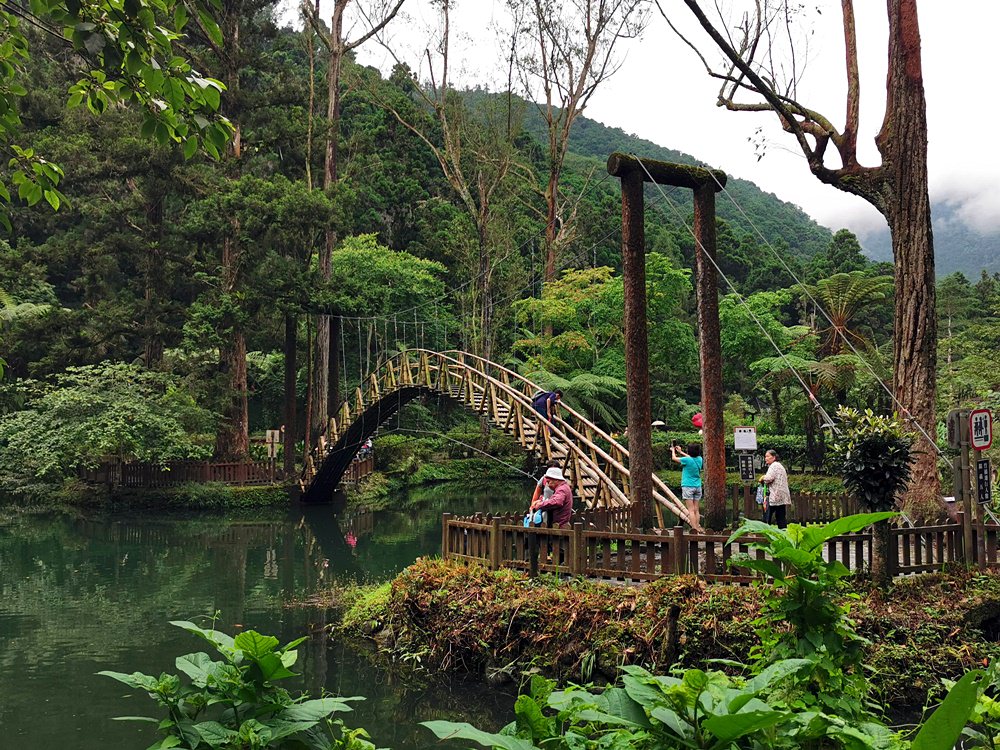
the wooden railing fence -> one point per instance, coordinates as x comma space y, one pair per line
807, 507
603, 552
359, 469
171, 473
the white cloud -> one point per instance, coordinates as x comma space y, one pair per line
663, 94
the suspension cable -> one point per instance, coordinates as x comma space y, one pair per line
701, 248
837, 329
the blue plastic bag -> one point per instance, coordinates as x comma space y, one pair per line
535, 519
761, 494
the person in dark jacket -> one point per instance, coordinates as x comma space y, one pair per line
545, 404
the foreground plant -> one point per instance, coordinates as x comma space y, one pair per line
234, 704
806, 612
695, 709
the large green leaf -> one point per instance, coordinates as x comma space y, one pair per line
255, 645
617, 702
315, 710
815, 536
136, 680
196, 666
672, 720
941, 731
214, 637
730, 727
272, 668
450, 730
767, 567
780, 670
214, 734
530, 719
646, 695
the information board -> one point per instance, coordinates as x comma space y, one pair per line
746, 467
984, 481
745, 439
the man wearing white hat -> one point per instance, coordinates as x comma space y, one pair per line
561, 501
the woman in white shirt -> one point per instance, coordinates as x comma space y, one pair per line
778, 495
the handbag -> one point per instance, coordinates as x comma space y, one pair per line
761, 494
533, 518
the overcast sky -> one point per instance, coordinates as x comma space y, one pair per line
663, 94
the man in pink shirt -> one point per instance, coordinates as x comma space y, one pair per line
560, 504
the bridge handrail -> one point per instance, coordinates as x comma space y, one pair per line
481, 384
659, 483
675, 506
526, 401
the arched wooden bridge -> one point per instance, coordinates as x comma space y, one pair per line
594, 463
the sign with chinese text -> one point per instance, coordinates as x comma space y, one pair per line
746, 467
984, 481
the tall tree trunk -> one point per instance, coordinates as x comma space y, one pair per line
232, 441
903, 145
551, 201
336, 335
153, 262
320, 376
776, 411
291, 371
882, 562
486, 298
323, 405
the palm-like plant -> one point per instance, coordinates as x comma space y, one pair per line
594, 395
844, 296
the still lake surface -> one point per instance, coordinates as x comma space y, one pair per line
87, 592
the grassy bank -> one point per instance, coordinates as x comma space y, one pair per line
502, 624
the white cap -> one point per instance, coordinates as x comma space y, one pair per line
554, 472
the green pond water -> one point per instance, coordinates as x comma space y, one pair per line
91, 591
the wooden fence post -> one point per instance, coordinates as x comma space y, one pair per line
963, 557
532, 552
445, 517
576, 550
495, 558
891, 554
680, 550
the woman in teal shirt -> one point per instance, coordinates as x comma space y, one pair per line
691, 463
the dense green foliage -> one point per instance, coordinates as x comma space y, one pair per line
91, 413
161, 256
237, 702
873, 455
121, 53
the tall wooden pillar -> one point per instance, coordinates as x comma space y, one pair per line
633, 172
640, 439
710, 357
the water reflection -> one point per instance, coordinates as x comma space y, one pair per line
83, 593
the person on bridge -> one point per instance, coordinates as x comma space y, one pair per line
691, 465
545, 404
561, 502
778, 495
